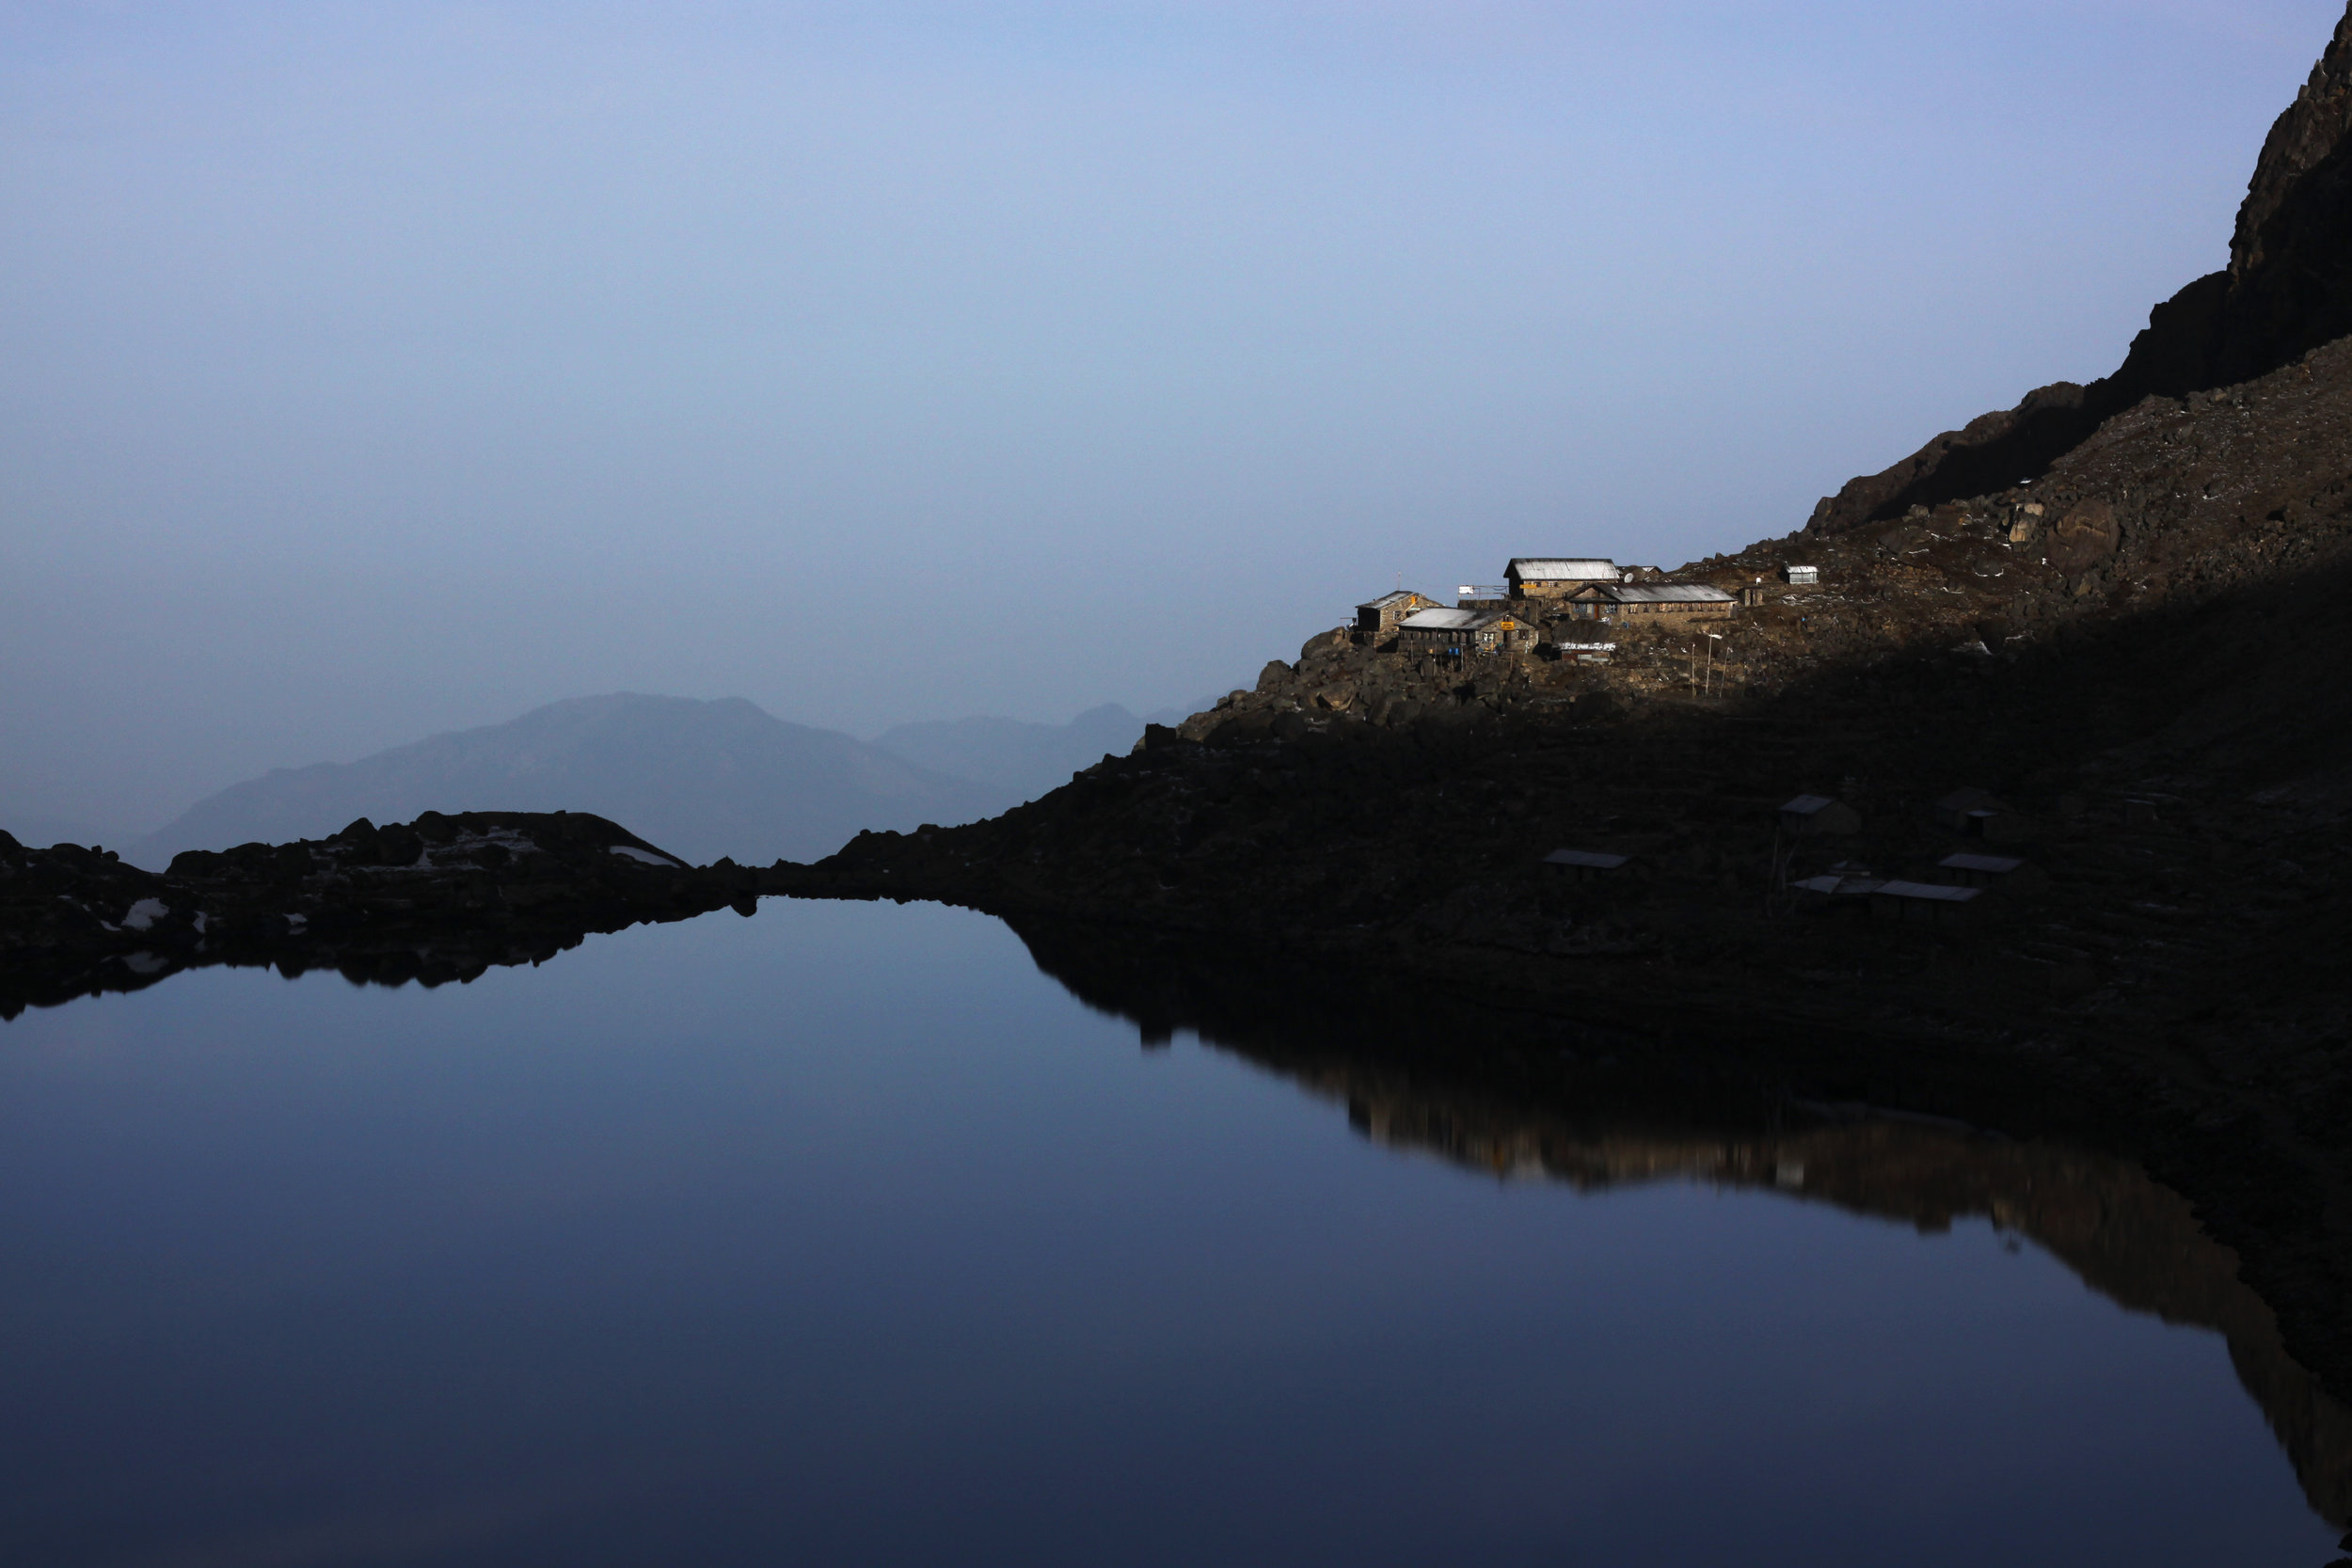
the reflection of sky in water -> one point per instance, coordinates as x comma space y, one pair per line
842, 1235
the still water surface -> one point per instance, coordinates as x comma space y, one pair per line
842, 1235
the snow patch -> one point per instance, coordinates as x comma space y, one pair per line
294, 922
145, 914
645, 857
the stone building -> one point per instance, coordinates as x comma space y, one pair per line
1376, 618
1670, 601
1462, 631
1529, 578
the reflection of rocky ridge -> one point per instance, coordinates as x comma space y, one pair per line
442, 898
1568, 1104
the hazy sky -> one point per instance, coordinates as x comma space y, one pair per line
373, 370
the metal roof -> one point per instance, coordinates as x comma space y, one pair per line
1997, 863
1391, 599
1452, 620
1832, 886
1555, 569
1935, 893
1584, 857
1670, 592
1805, 805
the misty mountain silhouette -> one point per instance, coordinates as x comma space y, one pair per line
702, 779
1024, 759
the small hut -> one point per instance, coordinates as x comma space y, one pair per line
1376, 618
1817, 816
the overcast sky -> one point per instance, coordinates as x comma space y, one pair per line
368, 370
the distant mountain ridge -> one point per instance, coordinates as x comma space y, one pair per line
1023, 758
702, 779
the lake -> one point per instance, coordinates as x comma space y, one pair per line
842, 1234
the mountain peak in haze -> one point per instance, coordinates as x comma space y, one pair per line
705, 778
1022, 759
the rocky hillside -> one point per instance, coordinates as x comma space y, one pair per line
2132, 648
2286, 290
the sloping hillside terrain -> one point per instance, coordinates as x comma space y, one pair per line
708, 779
2111, 646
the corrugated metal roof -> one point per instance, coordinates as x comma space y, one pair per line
1391, 599
1455, 620
2000, 864
1669, 592
1935, 893
1597, 861
1805, 805
1552, 569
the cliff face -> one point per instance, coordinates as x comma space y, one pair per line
2286, 290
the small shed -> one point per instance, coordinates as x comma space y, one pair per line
1583, 865
1555, 577
1926, 903
1378, 617
1817, 816
2005, 872
1800, 576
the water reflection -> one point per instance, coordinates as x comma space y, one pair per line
1611, 1112
841, 1234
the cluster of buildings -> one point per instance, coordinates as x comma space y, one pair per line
1538, 594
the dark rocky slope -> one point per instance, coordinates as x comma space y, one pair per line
2286, 290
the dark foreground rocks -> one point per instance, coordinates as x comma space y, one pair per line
441, 898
